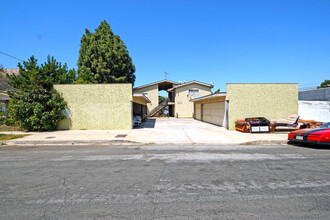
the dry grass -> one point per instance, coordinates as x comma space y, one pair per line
9, 128
7, 137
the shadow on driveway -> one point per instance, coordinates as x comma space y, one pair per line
150, 123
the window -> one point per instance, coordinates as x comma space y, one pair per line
193, 92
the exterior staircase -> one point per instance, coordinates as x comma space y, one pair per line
159, 107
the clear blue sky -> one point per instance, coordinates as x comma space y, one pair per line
221, 41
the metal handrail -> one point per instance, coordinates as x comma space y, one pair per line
159, 107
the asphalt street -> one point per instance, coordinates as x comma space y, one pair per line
164, 182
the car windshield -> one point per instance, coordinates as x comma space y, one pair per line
326, 125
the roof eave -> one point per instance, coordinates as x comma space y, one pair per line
188, 83
142, 95
221, 94
155, 83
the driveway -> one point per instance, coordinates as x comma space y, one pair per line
191, 131
154, 131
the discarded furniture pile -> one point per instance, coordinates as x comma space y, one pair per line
263, 125
253, 125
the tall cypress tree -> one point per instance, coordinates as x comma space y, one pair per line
103, 58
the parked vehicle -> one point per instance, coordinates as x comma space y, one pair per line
320, 135
137, 120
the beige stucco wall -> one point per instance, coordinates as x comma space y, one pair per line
152, 95
272, 101
97, 106
183, 107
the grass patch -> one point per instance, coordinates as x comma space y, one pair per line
9, 128
7, 137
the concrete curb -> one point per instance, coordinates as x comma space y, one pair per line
266, 142
129, 142
75, 142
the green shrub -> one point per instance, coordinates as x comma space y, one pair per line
42, 112
35, 105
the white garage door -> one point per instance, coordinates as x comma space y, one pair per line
198, 112
214, 113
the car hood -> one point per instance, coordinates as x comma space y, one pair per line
312, 131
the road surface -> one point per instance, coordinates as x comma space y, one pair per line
164, 182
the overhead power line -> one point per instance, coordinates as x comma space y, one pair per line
11, 56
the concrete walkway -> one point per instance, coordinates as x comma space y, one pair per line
154, 131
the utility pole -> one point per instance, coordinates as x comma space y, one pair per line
165, 74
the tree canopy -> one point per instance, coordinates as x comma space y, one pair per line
324, 84
161, 99
34, 104
103, 58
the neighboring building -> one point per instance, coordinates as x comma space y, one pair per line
314, 110
179, 96
4, 101
322, 94
4, 98
272, 101
4, 86
11, 71
315, 104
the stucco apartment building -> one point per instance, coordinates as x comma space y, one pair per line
179, 96
112, 106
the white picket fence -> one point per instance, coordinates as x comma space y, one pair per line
314, 110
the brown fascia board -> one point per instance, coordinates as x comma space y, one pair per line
191, 82
158, 82
219, 94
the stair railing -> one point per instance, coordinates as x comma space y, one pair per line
159, 107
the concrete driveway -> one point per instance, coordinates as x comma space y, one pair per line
191, 131
155, 131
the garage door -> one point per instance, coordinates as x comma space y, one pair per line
214, 113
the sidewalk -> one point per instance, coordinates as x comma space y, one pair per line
70, 137
155, 131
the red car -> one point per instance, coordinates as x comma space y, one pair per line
320, 135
